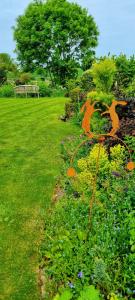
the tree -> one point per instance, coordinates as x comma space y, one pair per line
103, 74
57, 35
7, 63
125, 70
24, 78
3, 75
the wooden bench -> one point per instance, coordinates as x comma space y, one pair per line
27, 89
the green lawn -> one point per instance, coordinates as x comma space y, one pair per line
30, 135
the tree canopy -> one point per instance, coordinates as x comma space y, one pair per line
6, 65
6, 62
57, 35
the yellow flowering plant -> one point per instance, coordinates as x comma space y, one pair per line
107, 164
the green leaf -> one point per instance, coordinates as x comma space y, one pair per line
81, 235
89, 293
66, 295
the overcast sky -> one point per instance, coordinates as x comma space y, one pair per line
115, 20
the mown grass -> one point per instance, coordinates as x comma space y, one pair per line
30, 135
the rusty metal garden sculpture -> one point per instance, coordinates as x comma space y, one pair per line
89, 109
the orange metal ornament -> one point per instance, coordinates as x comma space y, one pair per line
89, 111
114, 116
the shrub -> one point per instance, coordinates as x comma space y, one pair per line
72, 84
76, 256
3, 75
75, 94
44, 89
6, 91
86, 81
57, 91
89, 293
25, 78
103, 74
125, 70
130, 91
69, 109
102, 97
107, 165
66, 295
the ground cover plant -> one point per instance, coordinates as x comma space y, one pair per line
30, 135
77, 255
89, 253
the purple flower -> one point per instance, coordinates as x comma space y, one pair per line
71, 285
115, 173
80, 274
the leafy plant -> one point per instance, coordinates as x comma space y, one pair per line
130, 90
6, 90
86, 81
102, 97
103, 74
66, 295
75, 94
107, 165
44, 89
89, 293
3, 75
101, 277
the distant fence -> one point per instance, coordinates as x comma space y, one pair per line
27, 89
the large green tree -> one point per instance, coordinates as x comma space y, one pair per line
57, 35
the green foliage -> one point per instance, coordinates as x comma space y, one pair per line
101, 276
6, 90
86, 81
44, 89
66, 295
102, 97
75, 94
130, 141
102, 254
58, 91
3, 75
89, 293
7, 63
56, 40
125, 70
8, 69
87, 165
72, 108
72, 83
24, 78
69, 109
130, 90
131, 220
103, 74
